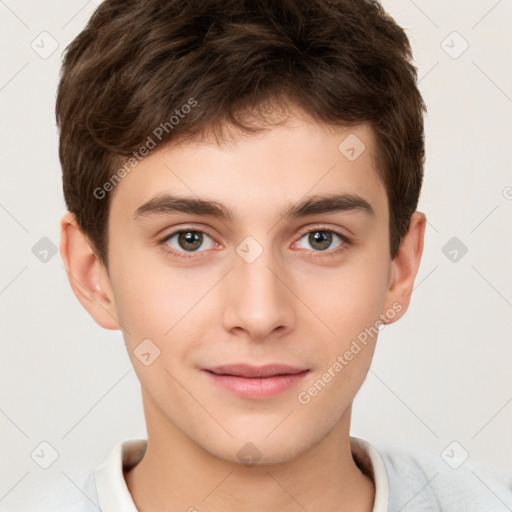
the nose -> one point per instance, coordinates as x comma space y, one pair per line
258, 297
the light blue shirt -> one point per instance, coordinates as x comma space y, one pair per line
406, 479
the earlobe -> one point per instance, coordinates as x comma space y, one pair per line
404, 267
86, 274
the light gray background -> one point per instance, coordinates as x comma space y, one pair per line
441, 374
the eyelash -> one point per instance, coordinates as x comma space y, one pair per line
316, 254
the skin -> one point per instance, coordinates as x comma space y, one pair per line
215, 308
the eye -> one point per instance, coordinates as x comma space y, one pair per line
187, 241
321, 240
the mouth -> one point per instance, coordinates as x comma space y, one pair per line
256, 382
249, 371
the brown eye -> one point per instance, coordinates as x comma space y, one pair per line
322, 240
187, 241
190, 240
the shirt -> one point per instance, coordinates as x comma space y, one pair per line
406, 479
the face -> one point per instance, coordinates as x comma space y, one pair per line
194, 290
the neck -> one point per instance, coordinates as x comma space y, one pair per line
176, 475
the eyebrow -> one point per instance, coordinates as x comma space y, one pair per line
312, 205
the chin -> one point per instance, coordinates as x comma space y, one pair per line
255, 449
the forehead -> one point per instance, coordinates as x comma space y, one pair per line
259, 174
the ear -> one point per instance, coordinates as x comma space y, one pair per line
404, 268
86, 273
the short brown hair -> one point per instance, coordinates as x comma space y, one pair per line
138, 63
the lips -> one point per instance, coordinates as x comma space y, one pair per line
255, 382
249, 371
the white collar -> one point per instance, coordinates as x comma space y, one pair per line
370, 462
113, 493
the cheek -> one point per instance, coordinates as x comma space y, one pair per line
350, 298
162, 304
143, 307
147, 295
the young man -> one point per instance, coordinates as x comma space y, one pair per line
242, 181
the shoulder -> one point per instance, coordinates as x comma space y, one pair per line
86, 499
69, 495
420, 479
